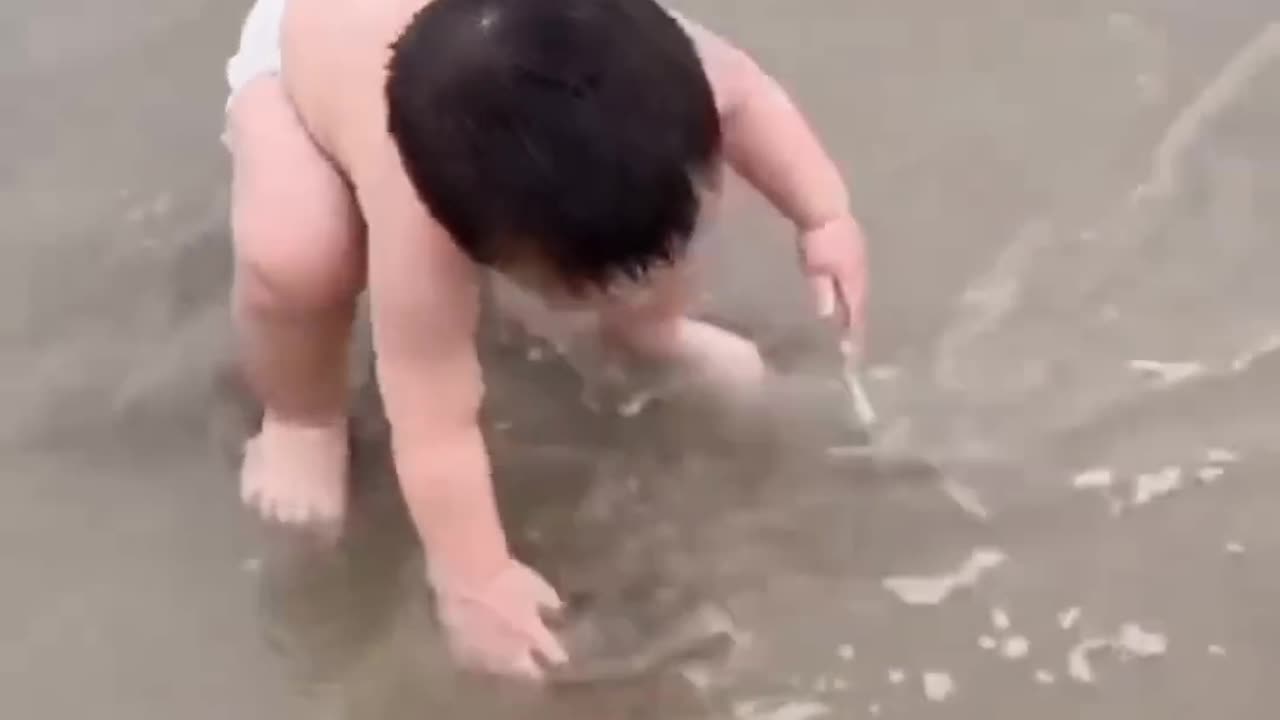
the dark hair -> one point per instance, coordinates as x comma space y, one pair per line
572, 131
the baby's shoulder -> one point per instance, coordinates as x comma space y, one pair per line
725, 64
335, 59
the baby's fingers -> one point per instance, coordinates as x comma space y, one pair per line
852, 299
526, 668
544, 595
824, 294
547, 644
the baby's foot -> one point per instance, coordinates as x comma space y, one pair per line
296, 475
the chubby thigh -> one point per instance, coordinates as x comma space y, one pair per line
297, 232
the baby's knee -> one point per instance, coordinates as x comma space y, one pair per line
654, 314
274, 272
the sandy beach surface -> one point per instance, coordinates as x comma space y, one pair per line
1066, 511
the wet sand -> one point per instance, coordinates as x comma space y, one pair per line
1053, 193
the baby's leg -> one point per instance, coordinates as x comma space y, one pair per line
298, 271
659, 328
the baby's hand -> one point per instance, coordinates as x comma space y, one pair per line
497, 627
835, 259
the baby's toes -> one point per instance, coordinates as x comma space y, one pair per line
298, 493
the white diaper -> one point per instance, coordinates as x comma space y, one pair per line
259, 52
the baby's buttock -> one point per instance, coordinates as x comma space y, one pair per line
259, 52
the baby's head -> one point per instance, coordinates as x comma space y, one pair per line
567, 143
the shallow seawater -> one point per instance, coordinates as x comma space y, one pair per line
1073, 211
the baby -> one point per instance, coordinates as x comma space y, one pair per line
408, 146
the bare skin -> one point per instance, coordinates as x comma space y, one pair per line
322, 208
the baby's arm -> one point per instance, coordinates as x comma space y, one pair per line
770, 144
767, 139
424, 307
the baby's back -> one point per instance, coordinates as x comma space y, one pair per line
335, 54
